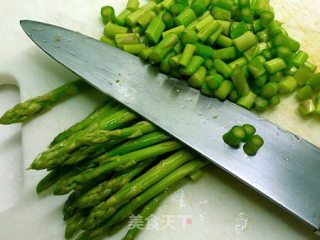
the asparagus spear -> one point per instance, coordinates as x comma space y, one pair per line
132, 145
74, 224
78, 208
147, 210
129, 146
96, 114
91, 152
126, 161
56, 174
34, 106
155, 174
140, 200
101, 136
57, 154
70, 206
94, 196
53, 177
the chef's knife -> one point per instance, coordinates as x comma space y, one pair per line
286, 169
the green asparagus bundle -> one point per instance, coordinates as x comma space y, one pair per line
227, 49
112, 164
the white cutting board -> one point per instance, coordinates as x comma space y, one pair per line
218, 205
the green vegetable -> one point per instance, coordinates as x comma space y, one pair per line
213, 38
288, 85
107, 14
305, 93
275, 100
126, 39
140, 200
200, 6
108, 41
205, 90
111, 29
261, 104
256, 67
206, 32
133, 17
193, 66
187, 54
176, 9
52, 178
139, 185
57, 154
300, 58
115, 163
269, 90
302, 75
74, 224
317, 111
252, 146
266, 18
214, 80
221, 13
35, 106
224, 41
240, 82
250, 131
176, 30
246, 14
146, 18
121, 18
237, 29
145, 53
234, 136
311, 66
167, 3
164, 47
147, 210
226, 27
245, 41
100, 192
247, 101
168, 20
145, 140
198, 78
186, 17
241, 62
134, 48
155, 29
133, 5
234, 96
314, 82
188, 36
307, 107
224, 89
222, 68
275, 65
203, 50
165, 65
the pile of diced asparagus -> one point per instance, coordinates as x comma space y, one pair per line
228, 49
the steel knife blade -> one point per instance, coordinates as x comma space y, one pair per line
285, 170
